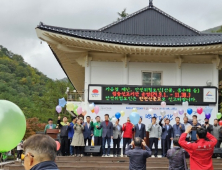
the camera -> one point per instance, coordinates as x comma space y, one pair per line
194, 128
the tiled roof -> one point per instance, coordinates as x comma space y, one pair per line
140, 40
150, 15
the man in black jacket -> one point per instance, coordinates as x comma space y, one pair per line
40, 153
64, 126
207, 126
167, 135
138, 156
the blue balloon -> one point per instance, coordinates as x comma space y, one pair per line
62, 102
134, 118
189, 111
207, 110
117, 115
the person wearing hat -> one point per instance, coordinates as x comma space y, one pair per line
207, 126
155, 132
167, 135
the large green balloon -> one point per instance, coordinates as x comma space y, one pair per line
219, 115
12, 125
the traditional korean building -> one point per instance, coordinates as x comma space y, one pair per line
142, 59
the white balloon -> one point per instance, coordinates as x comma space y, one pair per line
114, 120
163, 104
150, 111
163, 113
91, 106
185, 104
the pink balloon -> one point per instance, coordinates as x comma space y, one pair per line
199, 110
58, 145
163, 104
175, 113
84, 112
79, 110
58, 109
96, 109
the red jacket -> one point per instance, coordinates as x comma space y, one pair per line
128, 130
200, 152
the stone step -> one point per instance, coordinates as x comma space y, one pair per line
99, 168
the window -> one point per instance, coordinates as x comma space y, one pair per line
152, 78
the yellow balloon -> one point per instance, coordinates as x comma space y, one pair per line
92, 111
122, 113
69, 106
134, 110
22, 156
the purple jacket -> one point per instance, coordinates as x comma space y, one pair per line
176, 158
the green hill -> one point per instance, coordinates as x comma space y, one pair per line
35, 93
214, 30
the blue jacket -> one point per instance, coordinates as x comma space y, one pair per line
47, 165
166, 132
71, 131
138, 157
177, 130
87, 131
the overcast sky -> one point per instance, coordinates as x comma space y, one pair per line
18, 19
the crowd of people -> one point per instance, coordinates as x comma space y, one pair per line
190, 139
76, 135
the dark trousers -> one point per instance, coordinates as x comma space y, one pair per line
155, 142
19, 154
97, 141
71, 148
116, 143
79, 150
108, 140
64, 146
165, 144
218, 143
126, 141
89, 141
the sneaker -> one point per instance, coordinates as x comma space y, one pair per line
17, 159
81, 155
78, 155
108, 155
74, 155
103, 155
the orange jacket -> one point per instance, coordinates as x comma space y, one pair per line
200, 152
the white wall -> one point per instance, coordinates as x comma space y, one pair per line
106, 72
168, 72
196, 74
115, 73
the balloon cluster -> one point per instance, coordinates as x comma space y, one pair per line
94, 108
62, 103
207, 110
